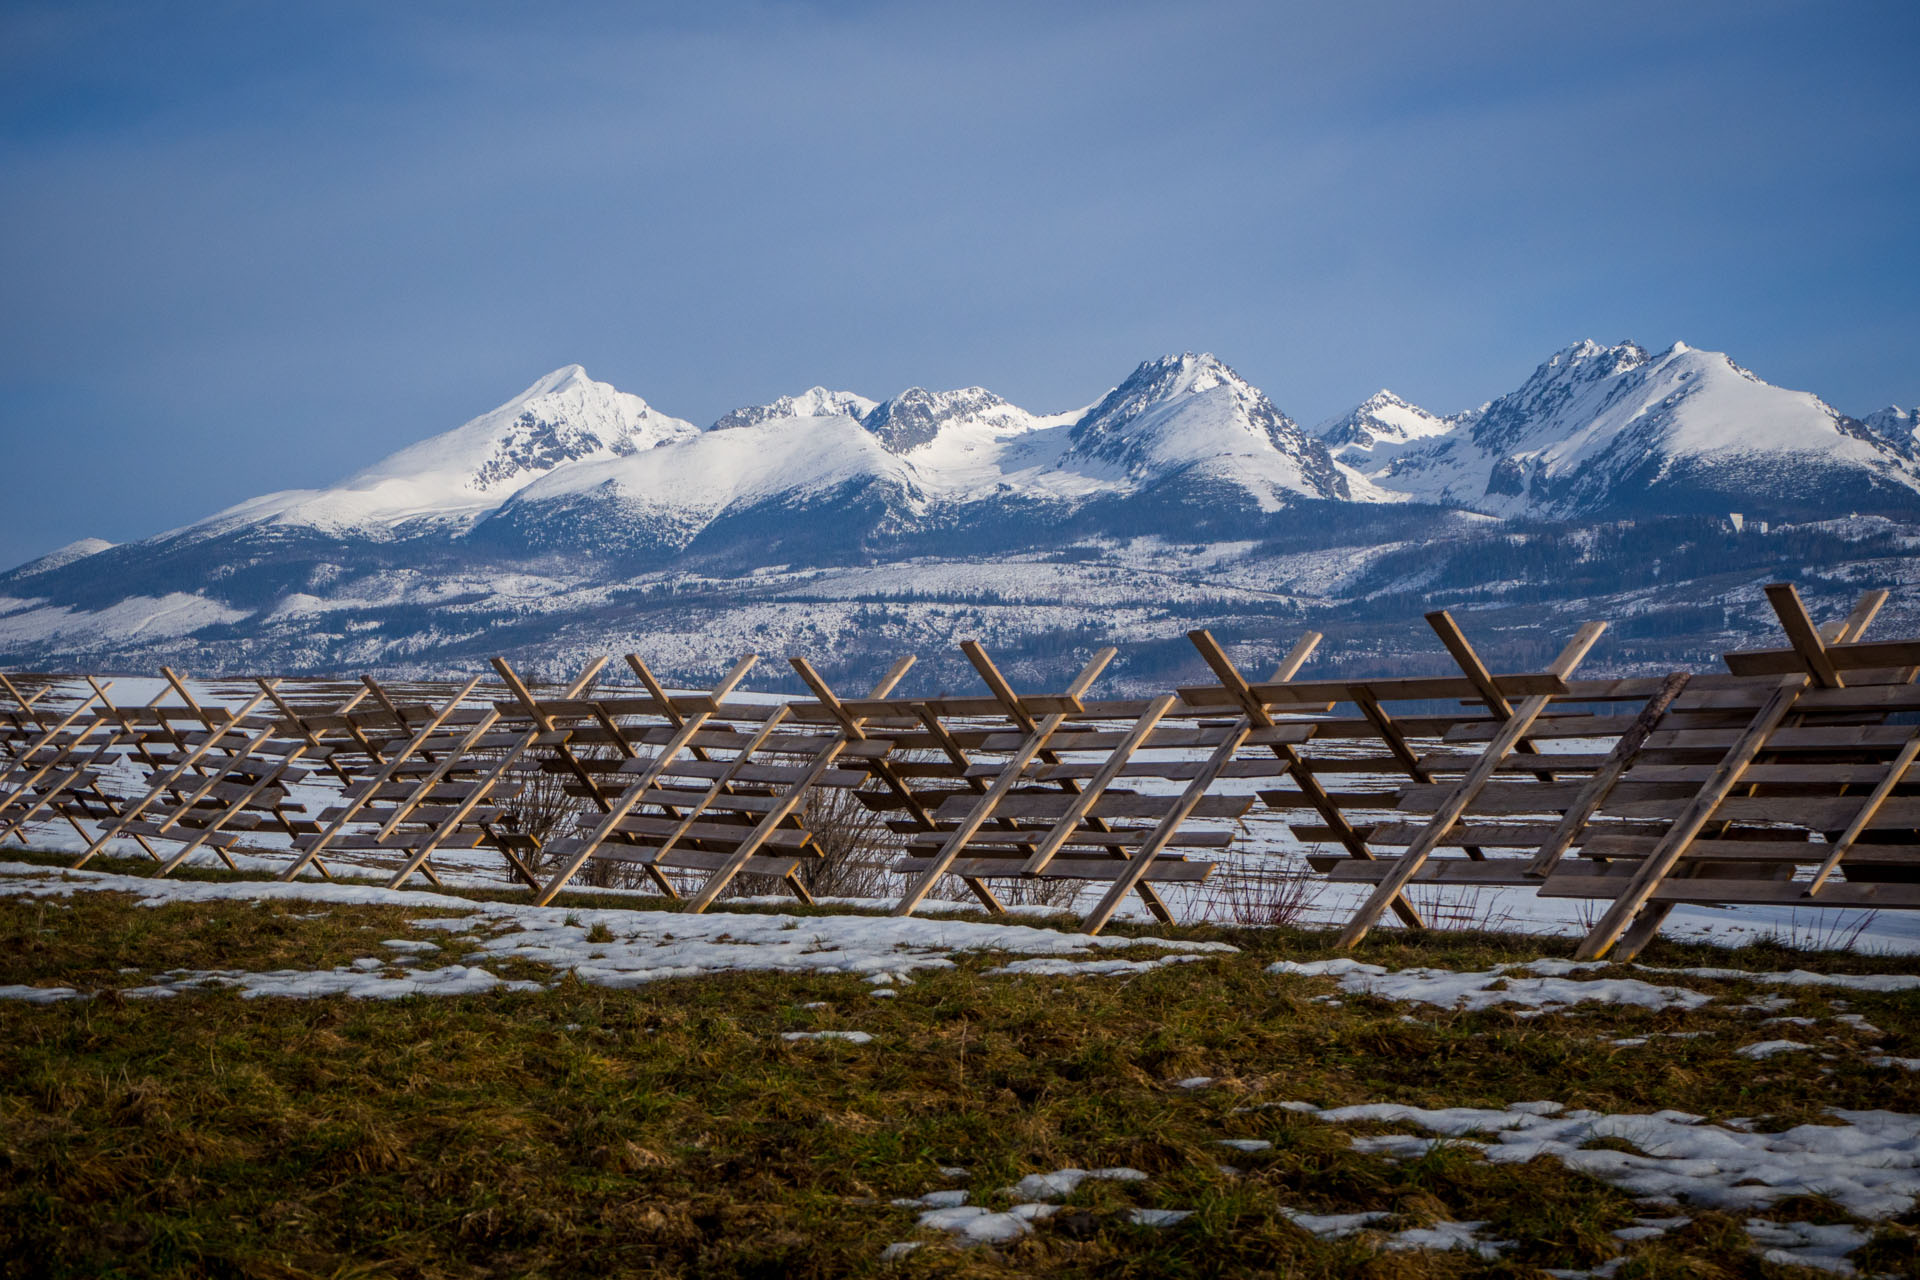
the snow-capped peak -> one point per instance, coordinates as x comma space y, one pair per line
916, 416
458, 476
1193, 411
1600, 427
815, 402
1383, 418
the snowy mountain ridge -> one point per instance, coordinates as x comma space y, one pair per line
579, 511
1599, 429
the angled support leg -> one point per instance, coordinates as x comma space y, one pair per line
890, 777
579, 850
1032, 747
1594, 792
1297, 768
1666, 855
1511, 734
417, 860
352, 806
852, 730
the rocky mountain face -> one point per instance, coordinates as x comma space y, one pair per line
1378, 423
1899, 428
1613, 430
576, 517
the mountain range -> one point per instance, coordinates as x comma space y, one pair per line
577, 516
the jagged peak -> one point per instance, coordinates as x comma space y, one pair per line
814, 402
916, 415
1383, 399
1382, 417
1188, 373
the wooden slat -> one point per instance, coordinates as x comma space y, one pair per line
1450, 811
1689, 823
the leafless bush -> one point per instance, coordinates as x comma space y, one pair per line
1825, 929
1475, 908
1034, 893
1262, 895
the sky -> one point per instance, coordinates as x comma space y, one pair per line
256, 246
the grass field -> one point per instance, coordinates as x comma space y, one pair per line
669, 1129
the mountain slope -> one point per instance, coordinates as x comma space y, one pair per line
446, 483
1191, 417
1599, 430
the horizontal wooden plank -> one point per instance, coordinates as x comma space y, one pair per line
1388, 689
1802, 773
1163, 870
711, 832
1577, 881
1465, 871
1083, 837
1536, 797
1845, 657
1790, 738
1806, 811
1177, 770
779, 774
690, 859
1112, 804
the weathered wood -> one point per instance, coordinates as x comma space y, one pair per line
1692, 819
1450, 811
790, 800
1869, 809
578, 851
1145, 862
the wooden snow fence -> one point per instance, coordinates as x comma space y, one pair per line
1061, 787
1391, 787
706, 784
424, 778
205, 777
54, 766
1788, 779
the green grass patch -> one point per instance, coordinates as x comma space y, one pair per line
669, 1130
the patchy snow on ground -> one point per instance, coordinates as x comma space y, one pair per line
638, 946
1802, 978
1484, 989
1868, 1162
1062, 1183
851, 1037
1807, 1244
360, 981
975, 1224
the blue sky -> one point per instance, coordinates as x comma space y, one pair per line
255, 246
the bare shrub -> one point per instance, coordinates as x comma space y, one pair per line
1262, 894
1474, 908
1033, 893
1824, 929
